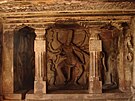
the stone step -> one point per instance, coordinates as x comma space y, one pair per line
79, 97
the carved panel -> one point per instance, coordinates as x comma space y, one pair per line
109, 36
67, 58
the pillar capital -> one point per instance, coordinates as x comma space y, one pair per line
40, 33
94, 33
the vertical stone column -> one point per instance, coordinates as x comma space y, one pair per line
121, 65
1, 29
40, 51
95, 47
7, 62
133, 78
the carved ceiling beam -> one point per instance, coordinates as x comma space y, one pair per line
62, 5
17, 26
89, 24
74, 13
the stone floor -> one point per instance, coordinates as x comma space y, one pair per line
79, 97
76, 95
69, 95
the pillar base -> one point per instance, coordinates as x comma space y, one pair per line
95, 86
40, 86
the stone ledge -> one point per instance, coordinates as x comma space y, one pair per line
75, 97
12, 96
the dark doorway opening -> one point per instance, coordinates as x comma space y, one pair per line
24, 59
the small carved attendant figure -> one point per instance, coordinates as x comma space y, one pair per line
130, 48
51, 72
109, 37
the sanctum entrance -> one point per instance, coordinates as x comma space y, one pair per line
83, 55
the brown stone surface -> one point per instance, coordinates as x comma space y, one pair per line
40, 87
95, 86
12, 97
0, 60
40, 60
7, 62
65, 59
95, 45
60, 5
1, 98
74, 97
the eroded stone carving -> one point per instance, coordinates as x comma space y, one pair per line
109, 37
69, 55
130, 48
65, 5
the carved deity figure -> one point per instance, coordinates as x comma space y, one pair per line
67, 57
109, 37
72, 62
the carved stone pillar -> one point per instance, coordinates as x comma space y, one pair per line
133, 76
40, 51
7, 62
95, 47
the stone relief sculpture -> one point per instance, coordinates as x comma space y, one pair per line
130, 47
109, 37
68, 55
128, 59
